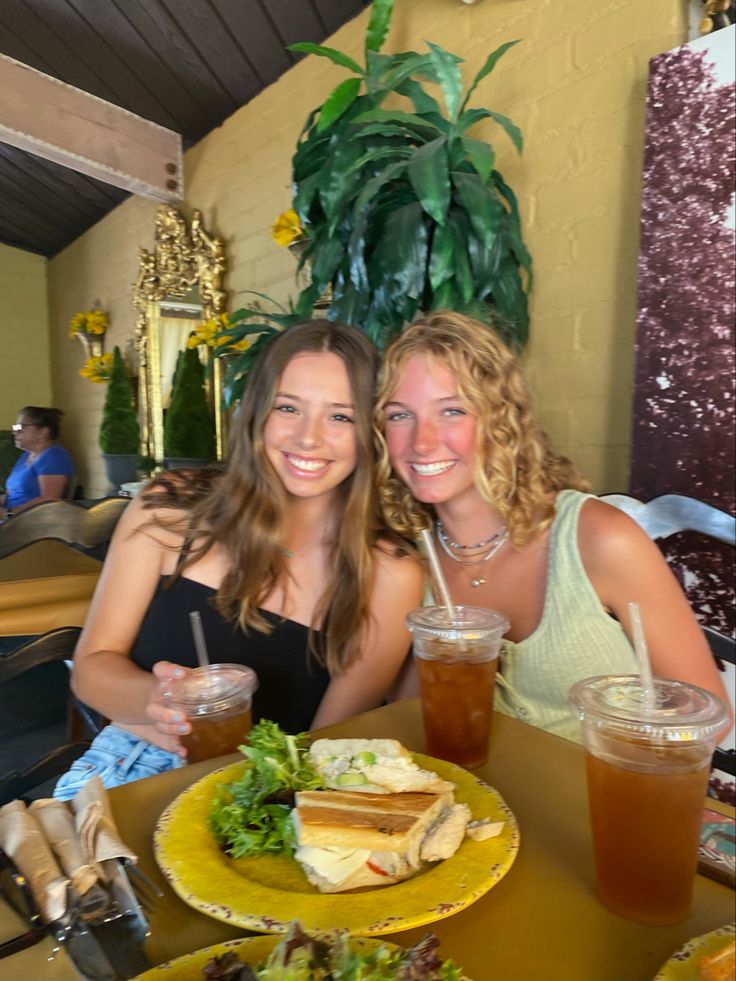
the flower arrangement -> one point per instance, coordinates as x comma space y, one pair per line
97, 369
211, 334
287, 228
91, 323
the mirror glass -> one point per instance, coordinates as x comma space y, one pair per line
179, 285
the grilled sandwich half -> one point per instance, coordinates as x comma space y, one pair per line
347, 840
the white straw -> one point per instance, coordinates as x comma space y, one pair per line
642, 655
434, 563
199, 644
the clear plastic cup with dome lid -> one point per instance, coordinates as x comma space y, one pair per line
648, 759
217, 701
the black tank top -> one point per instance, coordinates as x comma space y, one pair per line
291, 682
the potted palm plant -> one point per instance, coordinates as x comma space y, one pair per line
119, 431
404, 211
189, 431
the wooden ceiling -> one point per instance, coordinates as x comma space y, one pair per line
185, 64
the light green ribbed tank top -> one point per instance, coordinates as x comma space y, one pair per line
575, 638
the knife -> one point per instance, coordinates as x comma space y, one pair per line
122, 936
85, 952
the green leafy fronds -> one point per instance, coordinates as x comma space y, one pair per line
261, 325
403, 210
490, 64
480, 155
448, 75
338, 103
378, 25
337, 57
428, 174
513, 131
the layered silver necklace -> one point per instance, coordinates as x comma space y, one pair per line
490, 545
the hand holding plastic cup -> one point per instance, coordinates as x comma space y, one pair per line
217, 702
456, 654
648, 763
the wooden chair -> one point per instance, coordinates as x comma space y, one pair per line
54, 646
84, 528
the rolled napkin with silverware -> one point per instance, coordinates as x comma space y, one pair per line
23, 839
98, 834
57, 824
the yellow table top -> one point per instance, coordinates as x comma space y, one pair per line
541, 921
44, 586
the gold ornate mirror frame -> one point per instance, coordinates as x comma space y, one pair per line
186, 262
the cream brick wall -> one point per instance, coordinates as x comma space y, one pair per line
576, 86
24, 333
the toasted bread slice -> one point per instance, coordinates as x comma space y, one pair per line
374, 822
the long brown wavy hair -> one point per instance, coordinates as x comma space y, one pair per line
516, 467
242, 508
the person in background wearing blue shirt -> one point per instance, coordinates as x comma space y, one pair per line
45, 470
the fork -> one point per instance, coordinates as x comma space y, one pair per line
146, 890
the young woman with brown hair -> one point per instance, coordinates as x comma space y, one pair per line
283, 554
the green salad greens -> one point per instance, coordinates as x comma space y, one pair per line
299, 957
252, 815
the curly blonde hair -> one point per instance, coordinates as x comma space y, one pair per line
516, 467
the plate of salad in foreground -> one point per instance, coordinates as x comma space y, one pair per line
227, 844
301, 958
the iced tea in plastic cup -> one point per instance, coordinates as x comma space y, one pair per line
647, 770
217, 702
456, 654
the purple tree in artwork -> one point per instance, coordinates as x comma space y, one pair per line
684, 394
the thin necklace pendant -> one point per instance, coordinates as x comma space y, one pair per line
478, 581
289, 553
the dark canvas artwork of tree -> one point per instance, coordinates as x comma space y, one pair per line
684, 438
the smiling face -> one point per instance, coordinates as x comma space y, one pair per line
430, 433
309, 437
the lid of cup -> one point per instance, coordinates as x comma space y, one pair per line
462, 623
205, 691
682, 712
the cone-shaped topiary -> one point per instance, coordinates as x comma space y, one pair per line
119, 431
189, 430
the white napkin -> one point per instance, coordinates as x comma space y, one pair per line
98, 834
22, 838
57, 824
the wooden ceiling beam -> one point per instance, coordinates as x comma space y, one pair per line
61, 123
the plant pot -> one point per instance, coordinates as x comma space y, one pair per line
176, 462
121, 468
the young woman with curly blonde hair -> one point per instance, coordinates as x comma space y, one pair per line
460, 452
283, 554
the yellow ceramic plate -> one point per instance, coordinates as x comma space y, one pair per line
683, 966
250, 950
265, 894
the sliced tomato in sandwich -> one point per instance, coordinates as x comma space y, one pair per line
377, 869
